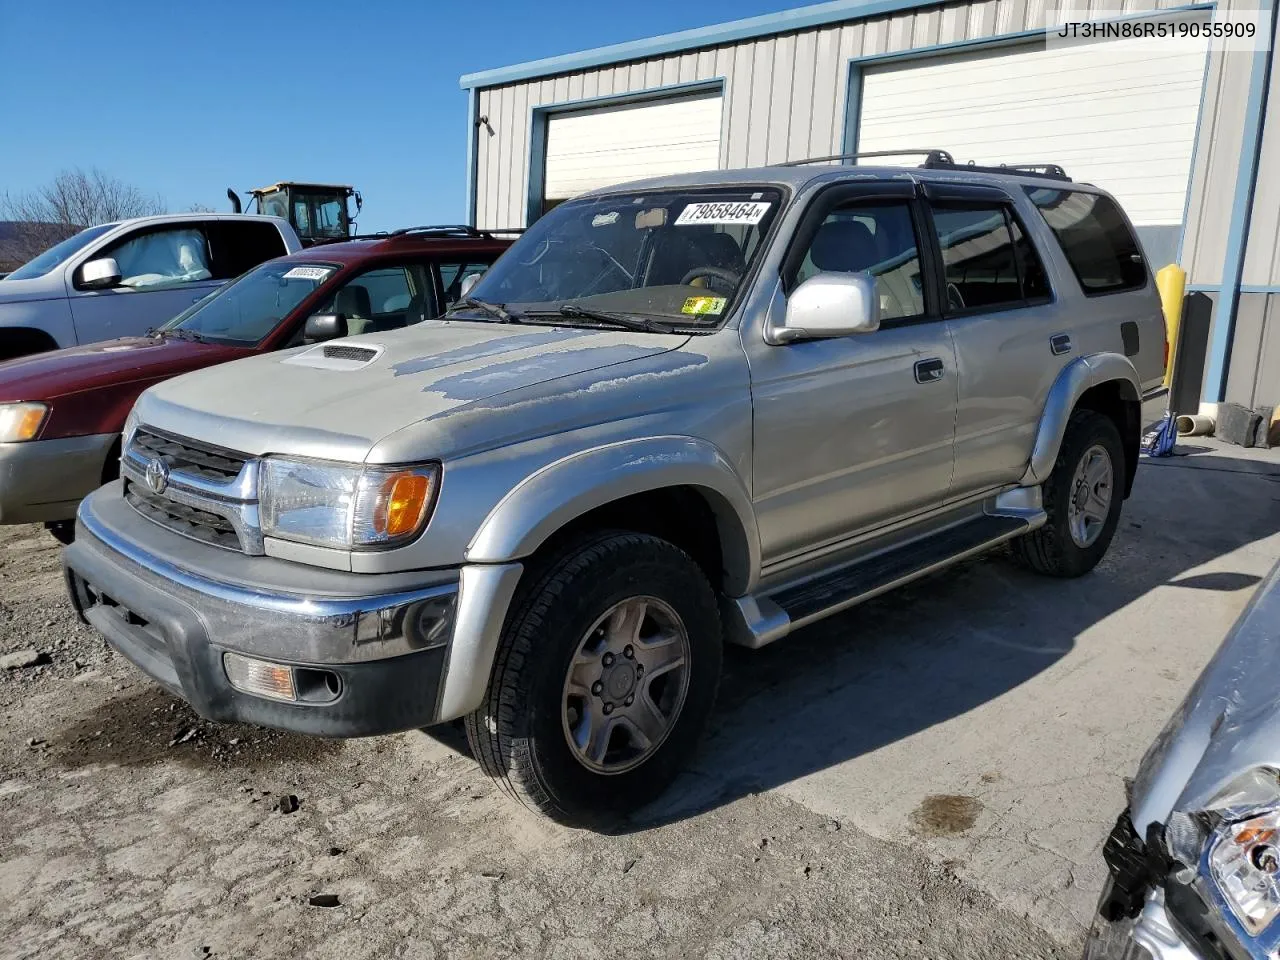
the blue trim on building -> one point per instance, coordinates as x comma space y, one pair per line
1204, 288
538, 126
852, 109
473, 130
1267, 288
1218, 361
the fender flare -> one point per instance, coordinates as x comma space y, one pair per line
1077, 377
560, 492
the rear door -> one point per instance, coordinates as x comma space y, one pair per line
1007, 324
164, 269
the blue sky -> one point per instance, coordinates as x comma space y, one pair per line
184, 99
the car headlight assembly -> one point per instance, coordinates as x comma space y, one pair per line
1242, 854
21, 421
344, 505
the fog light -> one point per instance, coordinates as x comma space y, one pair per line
259, 677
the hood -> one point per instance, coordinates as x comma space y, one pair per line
1228, 724
46, 376
338, 406
48, 287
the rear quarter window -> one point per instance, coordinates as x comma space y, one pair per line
1101, 249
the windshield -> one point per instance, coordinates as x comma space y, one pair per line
678, 255
57, 254
246, 310
318, 215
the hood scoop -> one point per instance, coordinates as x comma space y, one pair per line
336, 356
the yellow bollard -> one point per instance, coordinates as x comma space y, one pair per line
1171, 281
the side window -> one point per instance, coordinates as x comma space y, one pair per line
382, 299
1102, 251
238, 246
879, 238
988, 262
162, 258
452, 273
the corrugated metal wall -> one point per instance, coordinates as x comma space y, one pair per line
1262, 255
1217, 158
785, 95
1253, 378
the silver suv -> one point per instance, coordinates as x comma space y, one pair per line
705, 408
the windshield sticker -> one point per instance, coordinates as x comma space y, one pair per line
604, 219
308, 273
749, 213
704, 306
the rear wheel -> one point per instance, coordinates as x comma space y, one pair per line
1082, 498
604, 679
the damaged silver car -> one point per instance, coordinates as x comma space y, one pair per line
1195, 859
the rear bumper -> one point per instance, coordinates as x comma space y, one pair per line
44, 480
385, 658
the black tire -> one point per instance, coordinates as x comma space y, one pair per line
1051, 550
64, 531
517, 735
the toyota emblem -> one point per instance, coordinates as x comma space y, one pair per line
157, 475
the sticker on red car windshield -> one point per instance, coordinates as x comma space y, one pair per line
726, 214
308, 273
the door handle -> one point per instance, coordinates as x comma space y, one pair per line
1060, 343
929, 371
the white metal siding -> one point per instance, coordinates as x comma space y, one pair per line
1116, 114
784, 95
588, 149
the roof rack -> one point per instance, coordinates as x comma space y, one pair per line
453, 230
1051, 171
938, 156
942, 160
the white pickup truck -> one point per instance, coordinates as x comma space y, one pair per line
119, 279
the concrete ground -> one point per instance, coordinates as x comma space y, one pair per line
930, 775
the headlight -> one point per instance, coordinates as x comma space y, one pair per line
21, 421
338, 505
130, 428
1243, 857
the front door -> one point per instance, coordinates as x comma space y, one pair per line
854, 432
163, 270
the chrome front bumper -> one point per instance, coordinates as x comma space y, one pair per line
403, 658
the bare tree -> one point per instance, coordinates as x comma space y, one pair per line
74, 199
198, 207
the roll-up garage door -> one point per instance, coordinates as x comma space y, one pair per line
587, 149
1118, 114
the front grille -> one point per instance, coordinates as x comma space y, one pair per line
188, 521
198, 460
340, 351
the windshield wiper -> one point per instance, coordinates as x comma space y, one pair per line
493, 309
642, 324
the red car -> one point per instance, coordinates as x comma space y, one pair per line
61, 412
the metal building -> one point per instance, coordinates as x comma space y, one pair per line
1188, 140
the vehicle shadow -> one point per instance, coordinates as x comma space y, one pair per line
936, 649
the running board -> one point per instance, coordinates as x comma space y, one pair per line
755, 621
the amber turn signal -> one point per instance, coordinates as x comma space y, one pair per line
402, 503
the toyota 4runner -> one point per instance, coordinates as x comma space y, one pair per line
703, 408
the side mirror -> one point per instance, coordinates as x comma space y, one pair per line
324, 326
830, 305
100, 274
468, 284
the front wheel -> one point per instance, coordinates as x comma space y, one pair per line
1082, 497
604, 679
